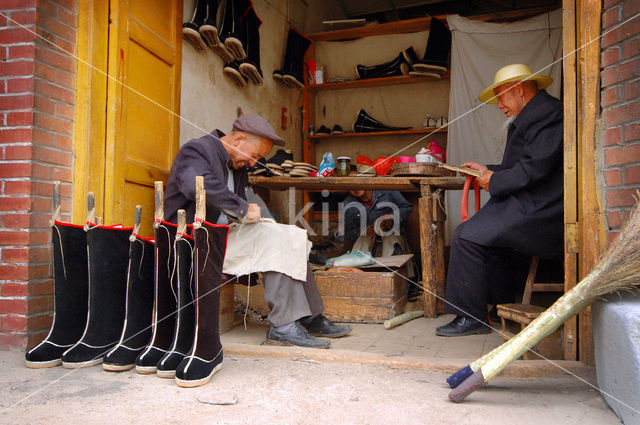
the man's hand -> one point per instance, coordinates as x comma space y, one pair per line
475, 166
253, 214
483, 180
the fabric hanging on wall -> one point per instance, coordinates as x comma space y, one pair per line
478, 132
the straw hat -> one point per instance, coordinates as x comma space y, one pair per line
509, 74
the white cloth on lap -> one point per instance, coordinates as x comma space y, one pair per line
267, 247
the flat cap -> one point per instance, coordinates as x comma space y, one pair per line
258, 126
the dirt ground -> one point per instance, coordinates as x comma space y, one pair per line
287, 391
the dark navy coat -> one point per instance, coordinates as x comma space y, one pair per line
525, 211
205, 157
380, 201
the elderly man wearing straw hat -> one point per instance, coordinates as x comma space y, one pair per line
524, 215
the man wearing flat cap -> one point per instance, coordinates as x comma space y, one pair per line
279, 251
524, 215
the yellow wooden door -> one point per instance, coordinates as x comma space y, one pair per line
142, 128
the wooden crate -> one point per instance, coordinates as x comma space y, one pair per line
362, 297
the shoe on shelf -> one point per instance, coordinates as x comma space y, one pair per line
429, 122
231, 70
365, 123
190, 30
337, 129
281, 156
462, 326
400, 65
321, 326
297, 335
435, 59
442, 121
323, 130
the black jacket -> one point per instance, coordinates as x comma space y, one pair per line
525, 211
205, 157
379, 206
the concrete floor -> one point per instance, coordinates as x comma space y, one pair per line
372, 376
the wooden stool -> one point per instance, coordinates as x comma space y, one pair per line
517, 316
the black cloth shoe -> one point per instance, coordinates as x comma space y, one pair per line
436, 54
250, 66
321, 326
337, 129
323, 130
462, 326
364, 123
190, 30
70, 296
280, 156
231, 70
298, 335
231, 33
398, 66
293, 69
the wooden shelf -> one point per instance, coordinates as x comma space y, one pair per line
397, 27
415, 131
374, 82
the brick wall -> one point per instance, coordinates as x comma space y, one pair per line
37, 95
620, 102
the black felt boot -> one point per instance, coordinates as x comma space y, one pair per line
293, 74
70, 296
250, 67
436, 55
137, 323
279, 73
163, 320
231, 32
191, 29
205, 357
397, 66
209, 27
185, 323
108, 255
231, 70
364, 123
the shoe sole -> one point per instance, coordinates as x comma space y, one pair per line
336, 335
210, 34
117, 368
467, 333
41, 365
146, 370
166, 374
251, 73
81, 365
425, 74
440, 70
287, 344
194, 38
288, 79
234, 76
235, 47
222, 51
196, 383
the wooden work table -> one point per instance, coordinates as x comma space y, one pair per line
431, 214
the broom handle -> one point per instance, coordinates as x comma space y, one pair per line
56, 203
136, 225
182, 224
159, 213
201, 202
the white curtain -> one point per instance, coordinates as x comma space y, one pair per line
478, 132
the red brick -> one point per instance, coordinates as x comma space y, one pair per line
62, 174
17, 169
632, 132
40, 205
611, 17
23, 17
15, 255
620, 198
15, 221
14, 238
44, 287
17, 187
62, 142
66, 79
612, 136
68, 17
622, 155
44, 104
55, 58
48, 7
631, 48
40, 221
65, 47
39, 255
11, 322
610, 37
14, 135
610, 57
23, 67
40, 237
69, 4
52, 156
41, 188
608, 76
40, 304
629, 29
44, 71
632, 90
15, 35
41, 171
14, 272
13, 289
610, 96
58, 93
18, 152
39, 321
39, 271
620, 114
613, 177
629, 70
20, 85
14, 203
17, 4
614, 219
13, 340
19, 101
15, 119
54, 124
64, 111
632, 174
13, 306
22, 51
31, 340
56, 27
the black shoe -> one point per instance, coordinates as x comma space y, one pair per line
397, 249
323, 130
364, 123
231, 34
293, 71
397, 66
250, 66
298, 335
280, 156
462, 326
337, 129
436, 55
190, 30
231, 70
321, 326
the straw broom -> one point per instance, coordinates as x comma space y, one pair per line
618, 270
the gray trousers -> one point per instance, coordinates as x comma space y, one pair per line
290, 299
